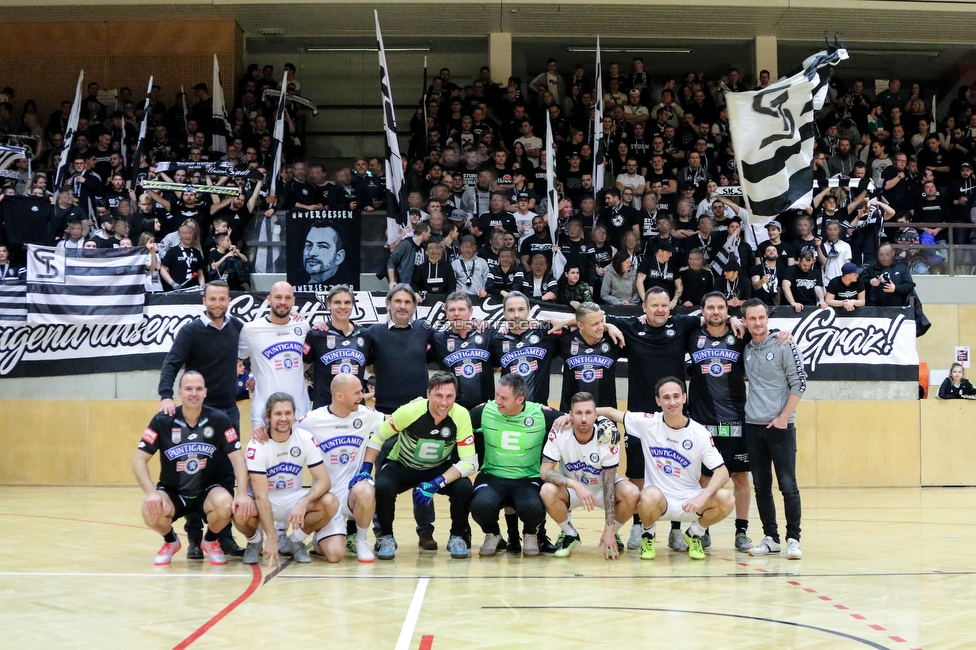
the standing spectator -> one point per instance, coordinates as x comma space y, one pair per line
847, 289
802, 284
890, 282
833, 252
777, 382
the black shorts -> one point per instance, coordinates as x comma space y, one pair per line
733, 452
635, 457
186, 506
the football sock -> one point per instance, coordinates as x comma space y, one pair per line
170, 537
696, 529
209, 535
650, 530
567, 528
741, 525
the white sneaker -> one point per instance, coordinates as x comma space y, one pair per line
766, 547
793, 551
635, 537
676, 541
363, 551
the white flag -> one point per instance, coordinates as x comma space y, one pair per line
552, 198
221, 123
141, 139
773, 131
394, 164
279, 140
69, 136
599, 146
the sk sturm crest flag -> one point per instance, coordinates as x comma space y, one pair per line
773, 131
86, 286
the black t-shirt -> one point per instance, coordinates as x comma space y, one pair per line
803, 284
589, 368
843, 291
504, 220
399, 357
653, 353
193, 458
694, 285
785, 251
529, 354
534, 244
899, 196
333, 353
468, 358
618, 221
717, 379
768, 291
660, 275
182, 264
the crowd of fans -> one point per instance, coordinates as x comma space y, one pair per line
474, 203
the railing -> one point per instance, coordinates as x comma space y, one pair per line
940, 258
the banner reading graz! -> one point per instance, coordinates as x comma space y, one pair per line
323, 248
873, 344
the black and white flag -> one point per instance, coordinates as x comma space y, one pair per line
599, 146
552, 199
394, 165
73, 285
221, 123
13, 304
279, 140
9, 155
773, 131
69, 137
141, 140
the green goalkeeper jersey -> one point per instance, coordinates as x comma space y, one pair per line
512, 443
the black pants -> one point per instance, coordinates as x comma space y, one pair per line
490, 492
776, 448
635, 457
395, 478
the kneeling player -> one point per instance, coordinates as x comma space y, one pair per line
193, 442
579, 465
675, 448
276, 481
342, 430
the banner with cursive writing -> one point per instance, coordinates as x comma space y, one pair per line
871, 344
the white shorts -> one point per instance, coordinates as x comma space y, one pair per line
282, 504
574, 500
336, 525
674, 511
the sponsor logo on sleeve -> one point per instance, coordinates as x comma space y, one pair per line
230, 435
251, 451
149, 436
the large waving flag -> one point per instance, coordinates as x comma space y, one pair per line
84, 286
394, 164
552, 199
279, 140
69, 136
221, 123
599, 146
10, 154
141, 139
773, 131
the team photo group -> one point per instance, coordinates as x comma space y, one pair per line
478, 430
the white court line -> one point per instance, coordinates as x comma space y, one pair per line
35, 574
406, 632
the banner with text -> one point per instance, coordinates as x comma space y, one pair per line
872, 344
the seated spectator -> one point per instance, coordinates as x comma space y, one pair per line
956, 386
572, 290
619, 286
696, 280
434, 274
76, 235
10, 273
890, 282
541, 283
847, 289
506, 276
735, 289
802, 284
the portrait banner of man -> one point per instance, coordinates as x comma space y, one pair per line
323, 249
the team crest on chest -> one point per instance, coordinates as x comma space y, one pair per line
176, 435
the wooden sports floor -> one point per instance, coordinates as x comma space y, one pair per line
883, 568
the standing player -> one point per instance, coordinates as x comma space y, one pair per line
276, 468
342, 430
590, 356
192, 478
777, 382
207, 345
428, 431
677, 447
466, 352
579, 465
717, 400
514, 431
339, 346
525, 350
276, 345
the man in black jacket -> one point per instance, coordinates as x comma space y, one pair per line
889, 283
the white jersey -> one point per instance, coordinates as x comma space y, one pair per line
585, 463
283, 462
342, 441
673, 458
276, 362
